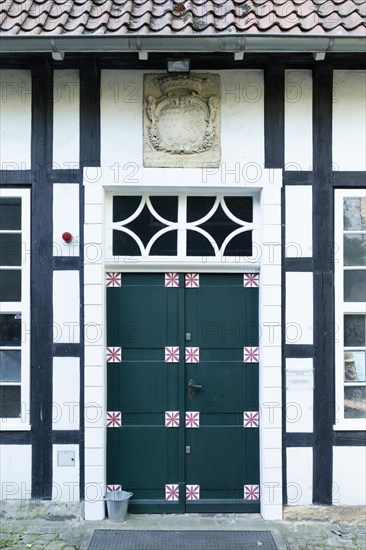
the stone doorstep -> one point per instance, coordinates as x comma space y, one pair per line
352, 515
44, 510
56, 512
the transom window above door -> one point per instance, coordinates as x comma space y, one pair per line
182, 226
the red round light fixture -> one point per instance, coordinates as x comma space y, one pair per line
67, 237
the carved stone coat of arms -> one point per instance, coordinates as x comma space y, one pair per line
182, 120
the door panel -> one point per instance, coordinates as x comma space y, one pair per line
142, 454
182, 444
221, 317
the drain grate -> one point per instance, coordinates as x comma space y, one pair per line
115, 539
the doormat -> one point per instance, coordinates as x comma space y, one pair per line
114, 539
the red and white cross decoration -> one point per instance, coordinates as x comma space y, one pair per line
192, 419
172, 354
172, 492
114, 355
192, 492
192, 280
250, 419
192, 355
171, 280
251, 280
111, 488
172, 419
251, 355
251, 492
113, 279
114, 419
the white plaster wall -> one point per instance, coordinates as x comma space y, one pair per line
299, 221
66, 307
299, 308
242, 119
15, 472
66, 479
66, 118
299, 395
15, 119
66, 393
299, 475
121, 119
65, 218
298, 120
349, 120
349, 475
242, 127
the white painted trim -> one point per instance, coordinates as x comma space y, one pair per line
342, 308
148, 264
22, 423
97, 186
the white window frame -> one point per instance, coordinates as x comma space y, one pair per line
23, 307
342, 308
237, 262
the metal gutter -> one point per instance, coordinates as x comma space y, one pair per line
240, 42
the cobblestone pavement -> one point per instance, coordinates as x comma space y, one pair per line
42, 530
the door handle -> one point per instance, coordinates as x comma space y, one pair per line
193, 386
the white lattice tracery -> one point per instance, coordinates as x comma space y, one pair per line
182, 226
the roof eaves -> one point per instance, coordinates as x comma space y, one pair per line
245, 42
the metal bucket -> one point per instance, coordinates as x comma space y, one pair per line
117, 505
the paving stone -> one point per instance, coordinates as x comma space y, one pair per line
75, 533
28, 539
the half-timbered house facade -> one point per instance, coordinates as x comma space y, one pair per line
182, 236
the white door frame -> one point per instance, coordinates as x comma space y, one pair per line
97, 182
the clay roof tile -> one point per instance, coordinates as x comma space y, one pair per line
182, 17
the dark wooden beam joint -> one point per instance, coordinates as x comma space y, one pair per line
89, 114
274, 115
41, 280
323, 256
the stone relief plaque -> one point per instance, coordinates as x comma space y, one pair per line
182, 120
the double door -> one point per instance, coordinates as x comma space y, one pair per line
182, 391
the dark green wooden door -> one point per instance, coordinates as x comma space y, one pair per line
182, 397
